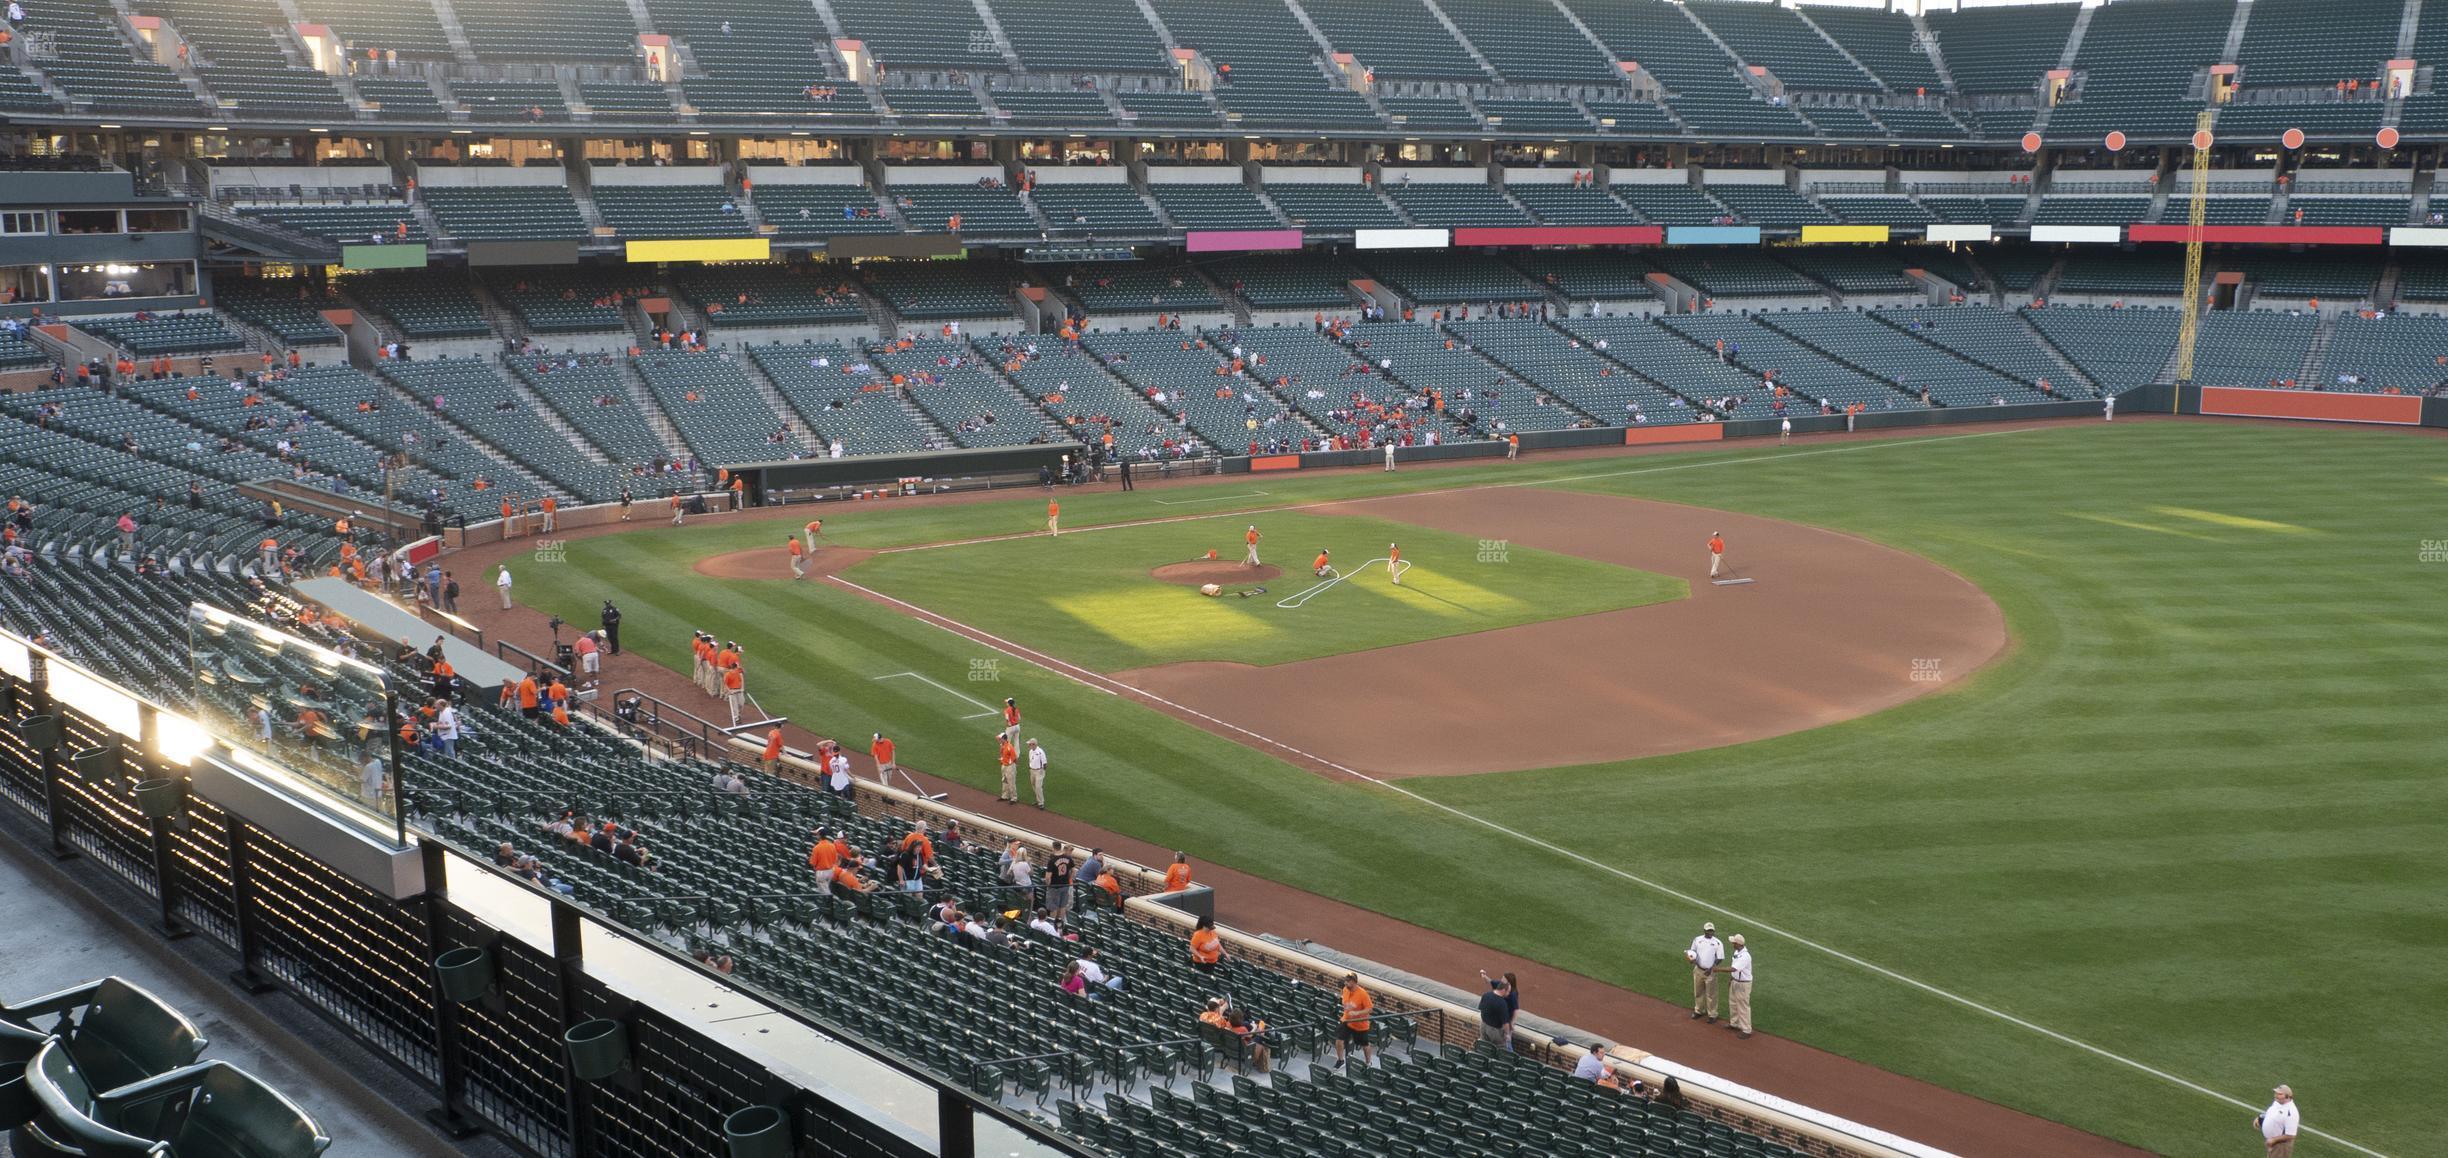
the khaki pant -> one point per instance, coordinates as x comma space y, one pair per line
2284, 1148
1253, 555
1704, 991
505, 596
1037, 784
1011, 785
1053, 525
1715, 561
1738, 1005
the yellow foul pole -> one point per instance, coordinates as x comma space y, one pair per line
2198, 203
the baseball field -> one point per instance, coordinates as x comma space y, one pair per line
2095, 770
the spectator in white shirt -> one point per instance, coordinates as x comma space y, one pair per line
1593, 1064
1094, 973
2280, 1123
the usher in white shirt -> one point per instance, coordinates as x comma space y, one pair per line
1706, 951
1742, 966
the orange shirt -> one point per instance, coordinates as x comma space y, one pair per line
1716, 545
825, 857
1250, 536
815, 527
796, 550
918, 843
1206, 947
1356, 1006
726, 658
1393, 554
443, 670
557, 691
1319, 563
1053, 509
731, 679
560, 715
882, 750
551, 505
527, 692
773, 744
1177, 877
1008, 755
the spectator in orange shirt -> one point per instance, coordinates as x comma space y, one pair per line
824, 859
530, 701
1177, 876
1355, 1028
1206, 946
772, 758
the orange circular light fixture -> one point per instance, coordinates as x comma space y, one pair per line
2387, 138
2292, 138
2201, 140
2031, 142
2115, 141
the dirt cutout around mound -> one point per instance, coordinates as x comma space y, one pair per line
1833, 628
1200, 572
774, 563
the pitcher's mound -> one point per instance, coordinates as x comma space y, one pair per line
1200, 572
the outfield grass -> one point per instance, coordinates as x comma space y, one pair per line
2194, 819
1089, 598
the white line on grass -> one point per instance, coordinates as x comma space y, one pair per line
989, 708
1087, 678
1535, 482
1210, 499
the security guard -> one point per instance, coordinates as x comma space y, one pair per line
1738, 994
1705, 952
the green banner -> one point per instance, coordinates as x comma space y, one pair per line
382, 256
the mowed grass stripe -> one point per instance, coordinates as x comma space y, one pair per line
2177, 934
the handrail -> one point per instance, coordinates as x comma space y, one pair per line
533, 660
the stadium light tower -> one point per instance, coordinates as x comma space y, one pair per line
2196, 205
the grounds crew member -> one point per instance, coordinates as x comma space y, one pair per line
1716, 552
798, 556
881, 749
1011, 720
1738, 987
814, 528
1053, 517
1705, 952
1321, 567
1394, 562
1251, 537
1009, 758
